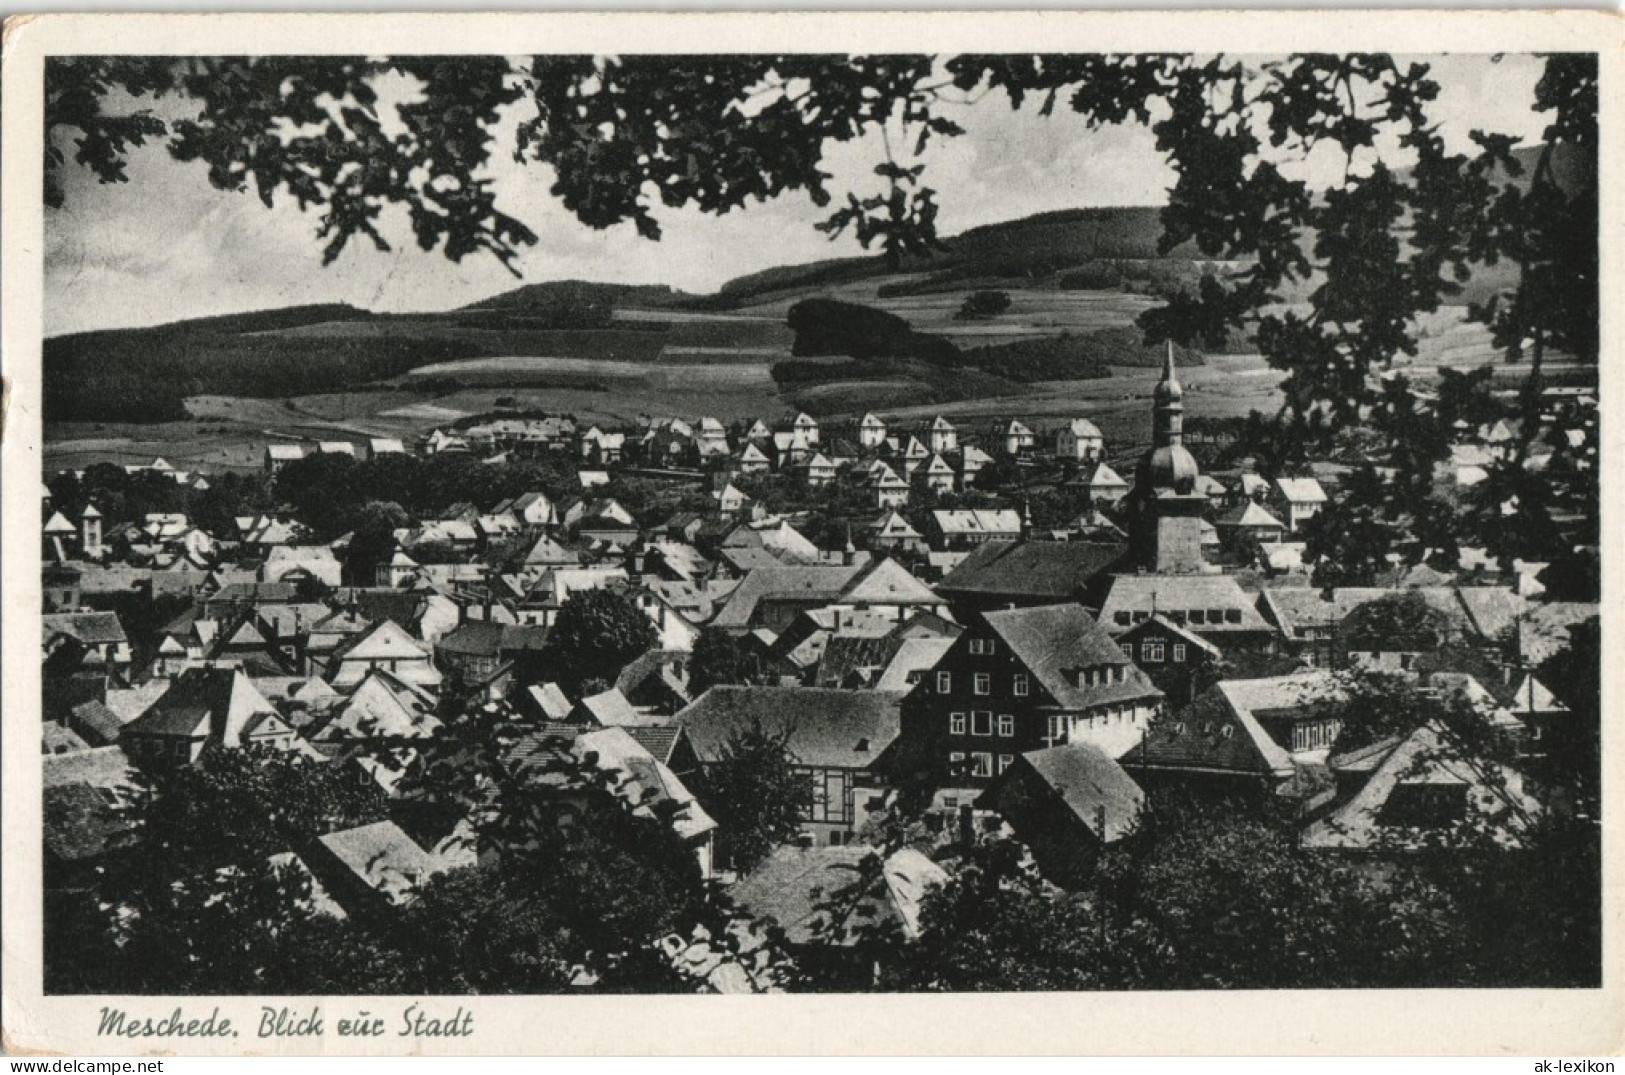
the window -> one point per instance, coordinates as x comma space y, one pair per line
1141, 615
981, 765
981, 646
1179, 652
1007, 725
1232, 615
982, 683
945, 682
956, 761
956, 724
1151, 652
1122, 618
1053, 729
1005, 761
1127, 648
182, 748
1198, 616
1018, 685
981, 723
1215, 615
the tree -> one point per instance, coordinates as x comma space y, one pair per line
1401, 621
755, 794
720, 658
372, 537
597, 633
983, 304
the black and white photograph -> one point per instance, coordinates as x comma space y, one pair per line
860, 521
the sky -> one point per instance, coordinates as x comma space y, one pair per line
166, 245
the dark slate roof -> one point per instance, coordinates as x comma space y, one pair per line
480, 639
796, 887
827, 728
1056, 570
102, 767
402, 607
846, 656
1087, 780
782, 582
1056, 641
101, 723
82, 822
91, 628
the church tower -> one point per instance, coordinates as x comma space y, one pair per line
1168, 509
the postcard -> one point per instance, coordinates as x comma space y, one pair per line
820, 533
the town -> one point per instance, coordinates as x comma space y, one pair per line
802, 704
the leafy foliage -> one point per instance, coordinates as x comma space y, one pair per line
983, 304
597, 633
755, 794
720, 658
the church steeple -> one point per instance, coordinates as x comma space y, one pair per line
1168, 405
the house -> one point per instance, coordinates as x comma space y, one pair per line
711, 439
1249, 486
1065, 803
677, 632
834, 906
383, 646
939, 476
1272, 734
1018, 439
534, 510
371, 869
85, 814
1214, 607
382, 446
1018, 680
1079, 441
838, 739
278, 456
546, 702
656, 683
648, 788
90, 532
1103, 485
915, 455
473, 651
292, 563
60, 537
818, 470
381, 707
999, 574
1250, 520
890, 490
892, 533
98, 638
1300, 500
752, 460
1180, 662
944, 437
871, 432
805, 428
335, 447
1422, 791
204, 707
962, 528
772, 595
729, 500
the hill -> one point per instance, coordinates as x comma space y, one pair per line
560, 293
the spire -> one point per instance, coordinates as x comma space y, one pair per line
1168, 403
